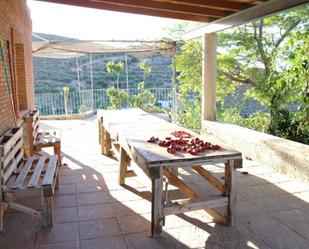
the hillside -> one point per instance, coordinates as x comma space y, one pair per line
51, 75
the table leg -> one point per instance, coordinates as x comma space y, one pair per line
105, 142
230, 209
157, 205
122, 166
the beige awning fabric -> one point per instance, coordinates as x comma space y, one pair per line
67, 49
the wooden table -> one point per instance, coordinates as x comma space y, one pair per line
125, 132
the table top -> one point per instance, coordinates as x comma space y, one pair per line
133, 127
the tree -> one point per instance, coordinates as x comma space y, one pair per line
270, 57
257, 54
116, 68
146, 69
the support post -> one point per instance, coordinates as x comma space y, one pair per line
209, 76
91, 80
174, 87
78, 79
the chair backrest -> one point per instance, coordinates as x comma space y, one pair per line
31, 129
11, 153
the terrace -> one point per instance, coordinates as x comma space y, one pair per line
92, 210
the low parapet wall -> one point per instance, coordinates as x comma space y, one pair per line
283, 155
69, 117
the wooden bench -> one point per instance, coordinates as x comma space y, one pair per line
20, 175
35, 139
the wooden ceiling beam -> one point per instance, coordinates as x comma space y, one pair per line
135, 10
167, 6
213, 4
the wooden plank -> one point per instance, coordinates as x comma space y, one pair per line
230, 209
6, 144
116, 149
180, 207
122, 166
191, 194
4, 161
180, 184
50, 171
210, 178
15, 162
24, 209
37, 172
23, 174
157, 205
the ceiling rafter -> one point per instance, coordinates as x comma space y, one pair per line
167, 6
191, 10
213, 4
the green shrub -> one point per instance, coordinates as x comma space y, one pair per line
117, 98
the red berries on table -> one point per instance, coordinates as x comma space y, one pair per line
182, 144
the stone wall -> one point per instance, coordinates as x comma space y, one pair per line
283, 155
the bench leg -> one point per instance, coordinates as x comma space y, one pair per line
57, 151
47, 210
229, 182
157, 206
57, 182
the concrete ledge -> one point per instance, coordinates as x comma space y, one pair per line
285, 156
69, 117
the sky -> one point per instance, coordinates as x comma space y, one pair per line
94, 24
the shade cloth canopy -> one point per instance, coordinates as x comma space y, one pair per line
67, 49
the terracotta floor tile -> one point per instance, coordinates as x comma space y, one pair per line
63, 245
58, 233
93, 198
66, 189
95, 212
64, 215
64, 201
143, 241
114, 242
98, 228
90, 187
133, 224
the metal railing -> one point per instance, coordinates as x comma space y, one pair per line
85, 100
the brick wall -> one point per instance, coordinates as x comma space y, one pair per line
15, 30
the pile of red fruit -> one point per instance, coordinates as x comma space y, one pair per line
182, 143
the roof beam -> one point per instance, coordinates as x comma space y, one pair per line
136, 10
245, 16
233, 6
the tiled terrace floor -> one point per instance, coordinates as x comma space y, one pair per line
92, 211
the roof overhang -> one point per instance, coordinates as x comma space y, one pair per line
192, 10
245, 16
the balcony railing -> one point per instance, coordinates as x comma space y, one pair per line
80, 102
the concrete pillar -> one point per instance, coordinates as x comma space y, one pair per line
209, 76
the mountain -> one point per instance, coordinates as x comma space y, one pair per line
51, 75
